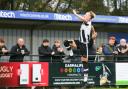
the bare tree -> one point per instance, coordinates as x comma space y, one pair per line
44, 6
69, 5
57, 6
115, 4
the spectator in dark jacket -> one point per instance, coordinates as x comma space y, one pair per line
109, 48
3, 48
18, 51
57, 51
122, 50
45, 51
92, 49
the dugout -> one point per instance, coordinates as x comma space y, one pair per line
36, 26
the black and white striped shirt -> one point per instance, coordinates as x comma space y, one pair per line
85, 32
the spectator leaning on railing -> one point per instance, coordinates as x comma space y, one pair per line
110, 48
122, 50
99, 54
3, 48
57, 51
45, 51
18, 51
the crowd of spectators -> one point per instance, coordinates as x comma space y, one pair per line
113, 48
19, 50
56, 52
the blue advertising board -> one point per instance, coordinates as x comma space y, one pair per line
59, 16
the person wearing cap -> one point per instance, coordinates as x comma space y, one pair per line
45, 51
109, 48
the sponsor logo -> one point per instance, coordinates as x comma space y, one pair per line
73, 65
6, 72
72, 68
97, 68
123, 20
62, 17
7, 14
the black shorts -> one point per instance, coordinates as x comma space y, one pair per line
81, 47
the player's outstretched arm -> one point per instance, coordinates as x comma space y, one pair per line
79, 16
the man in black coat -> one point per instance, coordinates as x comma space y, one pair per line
57, 51
18, 51
45, 51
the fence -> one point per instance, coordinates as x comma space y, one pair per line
70, 59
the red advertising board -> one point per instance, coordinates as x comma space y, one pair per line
24, 74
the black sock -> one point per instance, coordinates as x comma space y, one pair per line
85, 71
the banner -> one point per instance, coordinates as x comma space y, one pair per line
66, 74
29, 74
72, 74
24, 74
101, 74
121, 73
58, 16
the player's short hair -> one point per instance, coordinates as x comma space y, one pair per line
92, 14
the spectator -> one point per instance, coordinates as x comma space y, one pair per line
109, 48
92, 49
45, 51
122, 49
76, 55
18, 51
100, 50
57, 51
92, 45
3, 48
99, 54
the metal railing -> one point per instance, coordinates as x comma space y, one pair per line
69, 59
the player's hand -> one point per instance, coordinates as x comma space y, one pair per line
94, 35
74, 11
